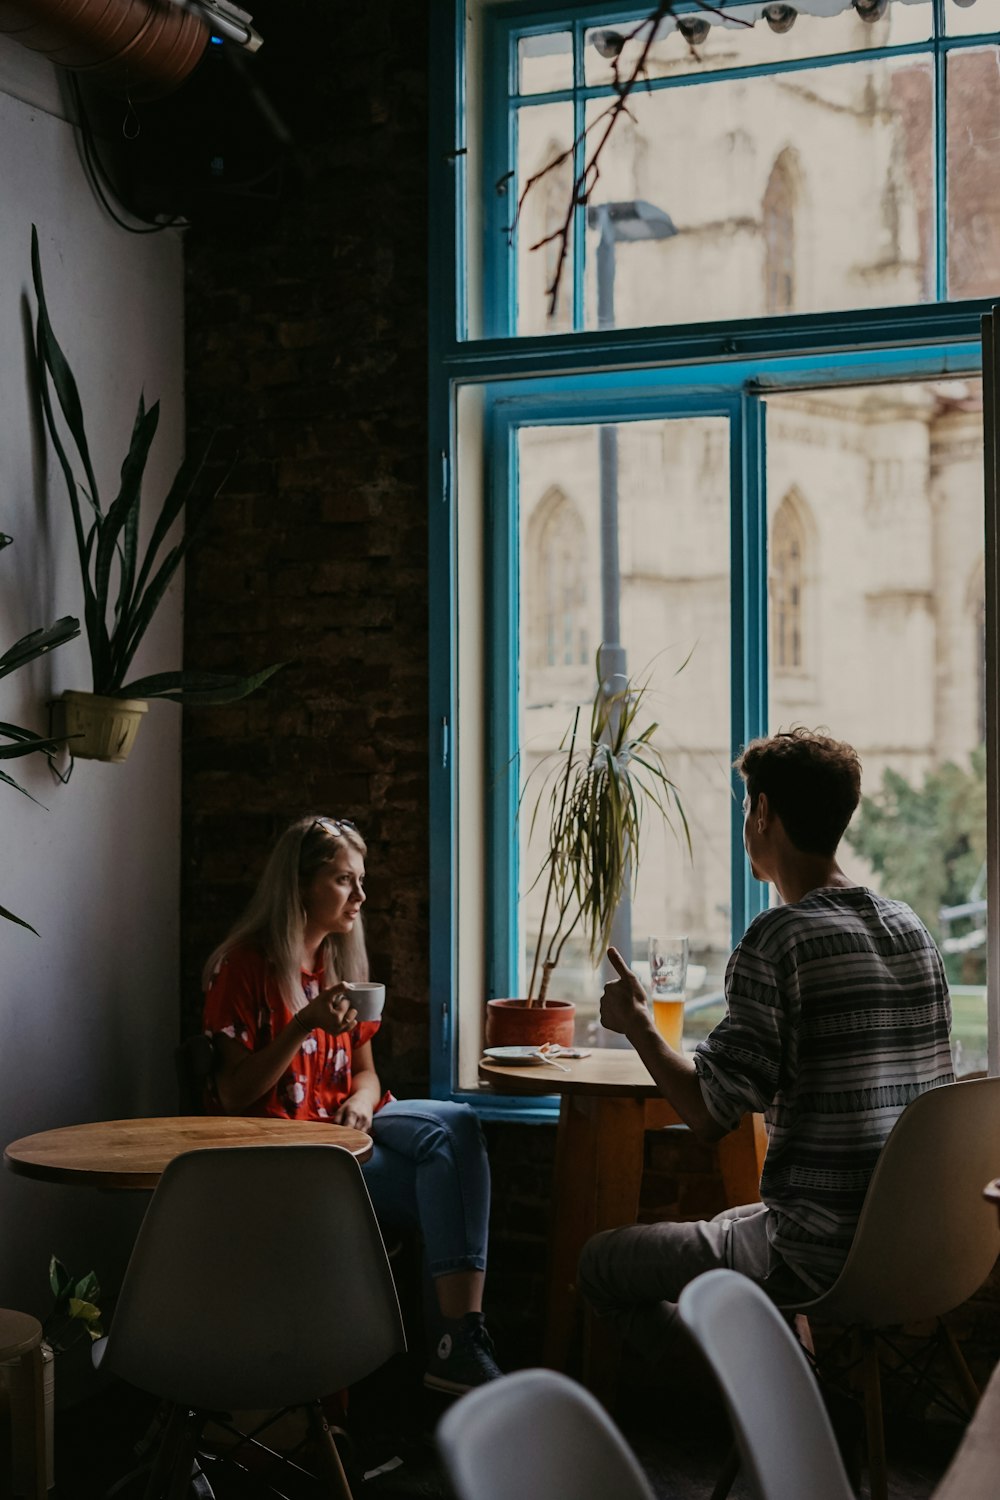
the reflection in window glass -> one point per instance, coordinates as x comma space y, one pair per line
971, 17
673, 528
545, 139
545, 63
852, 146
707, 41
973, 173
875, 508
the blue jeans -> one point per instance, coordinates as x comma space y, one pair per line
429, 1171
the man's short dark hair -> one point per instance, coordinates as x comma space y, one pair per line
811, 781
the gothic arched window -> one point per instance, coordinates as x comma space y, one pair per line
788, 547
779, 236
557, 567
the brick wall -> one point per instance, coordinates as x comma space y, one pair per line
307, 350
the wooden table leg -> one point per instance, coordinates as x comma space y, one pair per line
597, 1180
598, 1174
35, 1376
741, 1160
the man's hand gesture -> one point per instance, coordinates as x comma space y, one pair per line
623, 1004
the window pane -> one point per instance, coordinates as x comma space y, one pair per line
973, 173
704, 42
545, 139
545, 63
805, 192
876, 595
673, 533
971, 17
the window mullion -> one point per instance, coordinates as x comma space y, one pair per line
579, 156
503, 734
991, 397
748, 651
940, 157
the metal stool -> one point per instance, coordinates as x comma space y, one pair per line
21, 1341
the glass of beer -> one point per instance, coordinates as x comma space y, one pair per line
668, 961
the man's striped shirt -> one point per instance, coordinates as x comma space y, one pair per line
838, 1016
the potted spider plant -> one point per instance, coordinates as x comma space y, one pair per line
597, 795
20, 741
102, 724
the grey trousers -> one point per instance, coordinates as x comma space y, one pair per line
633, 1277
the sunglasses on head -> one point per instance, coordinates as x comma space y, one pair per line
333, 826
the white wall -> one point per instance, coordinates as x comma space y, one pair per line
88, 1008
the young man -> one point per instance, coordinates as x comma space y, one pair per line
838, 1016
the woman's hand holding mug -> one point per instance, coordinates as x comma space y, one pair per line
330, 1010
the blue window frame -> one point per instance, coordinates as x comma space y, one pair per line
483, 391
508, 29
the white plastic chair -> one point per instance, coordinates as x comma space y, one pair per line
259, 1280
926, 1239
537, 1436
786, 1443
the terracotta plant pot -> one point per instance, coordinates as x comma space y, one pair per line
513, 1023
100, 728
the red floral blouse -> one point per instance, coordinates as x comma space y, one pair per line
245, 1003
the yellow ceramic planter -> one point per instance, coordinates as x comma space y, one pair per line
100, 728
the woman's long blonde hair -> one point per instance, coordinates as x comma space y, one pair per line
274, 919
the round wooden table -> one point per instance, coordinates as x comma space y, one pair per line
133, 1153
607, 1102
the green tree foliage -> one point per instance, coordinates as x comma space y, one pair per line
927, 844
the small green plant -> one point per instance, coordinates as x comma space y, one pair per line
597, 797
108, 540
74, 1311
25, 741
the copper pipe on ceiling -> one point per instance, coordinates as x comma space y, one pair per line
142, 48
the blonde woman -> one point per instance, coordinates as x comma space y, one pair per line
289, 1044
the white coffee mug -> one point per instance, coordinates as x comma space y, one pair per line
367, 999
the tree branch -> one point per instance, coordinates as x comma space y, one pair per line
589, 174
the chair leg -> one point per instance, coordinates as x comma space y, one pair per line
185, 1465
727, 1474
963, 1374
179, 1464
877, 1480
172, 1430
329, 1457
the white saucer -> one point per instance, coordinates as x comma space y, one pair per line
515, 1057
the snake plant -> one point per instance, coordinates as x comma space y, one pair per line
25, 741
108, 540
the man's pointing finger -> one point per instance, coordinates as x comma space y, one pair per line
618, 963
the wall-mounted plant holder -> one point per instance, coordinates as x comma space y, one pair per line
99, 728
